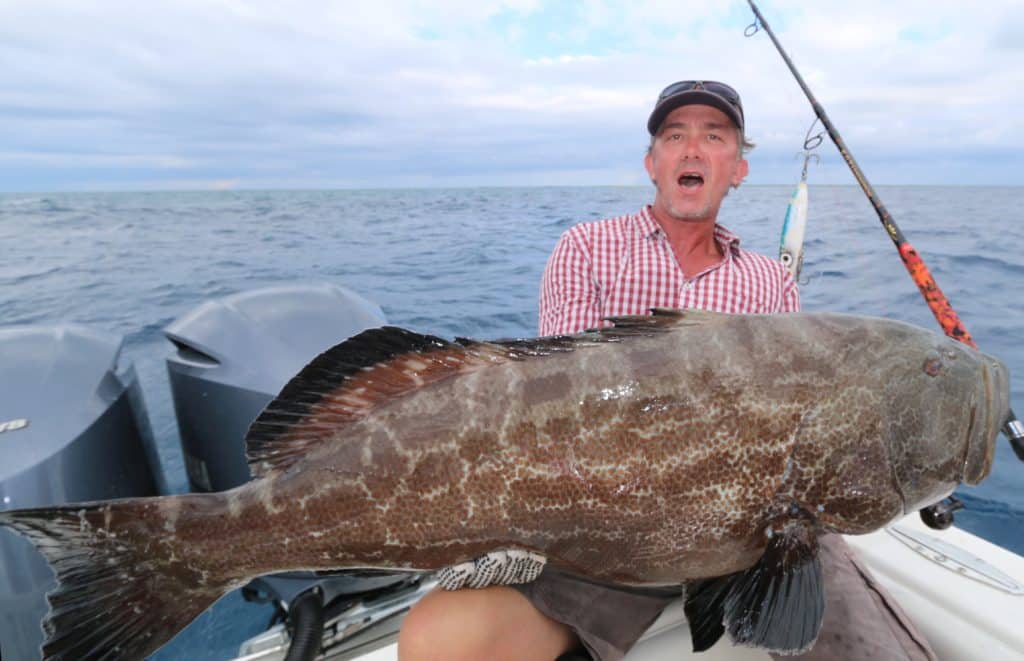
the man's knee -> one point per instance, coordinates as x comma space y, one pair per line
429, 630
476, 624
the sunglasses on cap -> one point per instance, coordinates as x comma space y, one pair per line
713, 86
714, 93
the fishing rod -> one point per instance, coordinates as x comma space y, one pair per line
947, 317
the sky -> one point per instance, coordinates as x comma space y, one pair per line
231, 94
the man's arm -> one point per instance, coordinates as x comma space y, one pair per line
569, 295
790, 294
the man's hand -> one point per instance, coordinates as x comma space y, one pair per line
495, 568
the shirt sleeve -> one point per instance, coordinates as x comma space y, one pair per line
790, 293
569, 294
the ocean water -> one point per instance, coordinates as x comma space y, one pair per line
468, 262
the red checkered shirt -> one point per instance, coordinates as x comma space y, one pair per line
625, 265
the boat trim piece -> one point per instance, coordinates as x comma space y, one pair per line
956, 559
341, 638
13, 425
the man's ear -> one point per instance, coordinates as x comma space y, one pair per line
742, 170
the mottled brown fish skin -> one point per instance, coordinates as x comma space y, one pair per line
652, 460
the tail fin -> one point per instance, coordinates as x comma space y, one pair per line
121, 592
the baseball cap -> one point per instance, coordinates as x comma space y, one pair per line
704, 92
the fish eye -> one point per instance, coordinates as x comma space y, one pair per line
932, 366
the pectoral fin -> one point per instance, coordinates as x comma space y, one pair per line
777, 604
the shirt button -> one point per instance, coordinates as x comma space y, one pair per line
688, 286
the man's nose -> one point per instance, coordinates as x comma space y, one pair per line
693, 147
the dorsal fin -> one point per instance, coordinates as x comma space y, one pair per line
348, 381
664, 318
340, 385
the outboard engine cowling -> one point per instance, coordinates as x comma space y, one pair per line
234, 355
73, 428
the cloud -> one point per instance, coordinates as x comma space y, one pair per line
126, 95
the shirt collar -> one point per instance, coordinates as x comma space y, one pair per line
648, 227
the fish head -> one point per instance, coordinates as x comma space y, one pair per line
946, 403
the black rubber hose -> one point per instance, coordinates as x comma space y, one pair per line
306, 616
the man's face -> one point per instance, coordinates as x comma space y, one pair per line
693, 162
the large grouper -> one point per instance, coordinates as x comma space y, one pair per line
686, 448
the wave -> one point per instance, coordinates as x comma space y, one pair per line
29, 277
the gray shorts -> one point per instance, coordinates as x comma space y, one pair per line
608, 619
862, 620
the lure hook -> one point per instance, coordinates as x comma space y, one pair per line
807, 158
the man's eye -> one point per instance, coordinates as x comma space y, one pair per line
713, 137
674, 136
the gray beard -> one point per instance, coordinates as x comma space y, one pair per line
699, 214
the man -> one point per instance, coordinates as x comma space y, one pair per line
672, 253
669, 254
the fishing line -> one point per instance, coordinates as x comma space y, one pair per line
922, 277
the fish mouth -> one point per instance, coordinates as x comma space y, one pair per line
981, 443
971, 425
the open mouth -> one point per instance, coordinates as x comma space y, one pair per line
691, 180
